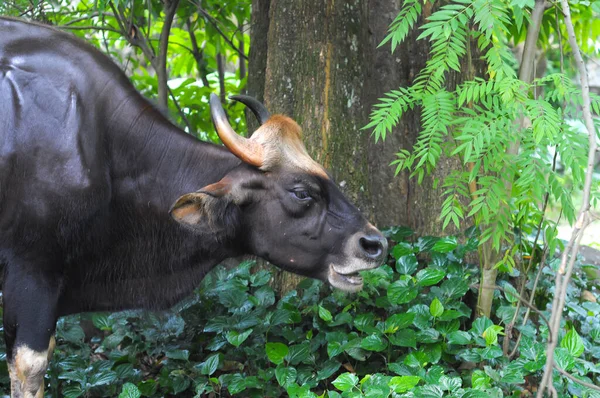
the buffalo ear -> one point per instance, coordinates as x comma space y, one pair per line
188, 209
206, 205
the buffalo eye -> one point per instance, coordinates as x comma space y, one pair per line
301, 194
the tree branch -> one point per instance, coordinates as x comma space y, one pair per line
87, 17
221, 69
198, 55
227, 40
181, 113
521, 299
242, 61
490, 255
131, 34
583, 219
90, 27
163, 45
575, 379
540, 268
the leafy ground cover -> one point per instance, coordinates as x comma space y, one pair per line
410, 333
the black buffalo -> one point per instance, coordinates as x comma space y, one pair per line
105, 205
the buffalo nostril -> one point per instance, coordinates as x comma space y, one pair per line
373, 246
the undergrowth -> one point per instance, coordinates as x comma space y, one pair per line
409, 333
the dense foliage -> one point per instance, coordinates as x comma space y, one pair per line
481, 119
410, 333
130, 33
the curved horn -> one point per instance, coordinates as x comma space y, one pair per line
247, 150
259, 110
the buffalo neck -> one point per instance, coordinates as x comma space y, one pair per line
154, 162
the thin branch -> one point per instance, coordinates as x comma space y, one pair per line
242, 61
531, 298
488, 272
211, 19
149, 24
575, 379
511, 324
525, 302
163, 46
526, 69
88, 17
583, 219
104, 41
181, 113
221, 70
90, 27
198, 54
130, 33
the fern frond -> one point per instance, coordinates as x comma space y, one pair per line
545, 120
456, 184
437, 114
403, 23
490, 16
446, 29
389, 110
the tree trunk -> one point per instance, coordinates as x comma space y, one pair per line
318, 62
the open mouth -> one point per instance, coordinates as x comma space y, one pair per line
350, 282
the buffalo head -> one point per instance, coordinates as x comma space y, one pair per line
285, 207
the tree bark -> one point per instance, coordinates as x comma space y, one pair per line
318, 62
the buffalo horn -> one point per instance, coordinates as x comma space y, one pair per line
247, 150
260, 112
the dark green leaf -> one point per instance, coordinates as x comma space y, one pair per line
281, 316
276, 352
397, 233
236, 338
564, 359
130, 391
236, 383
178, 354
401, 384
345, 382
364, 322
573, 343
102, 378
450, 383
398, 321
404, 338
459, 337
374, 342
401, 292
445, 245
324, 314
402, 249
72, 391
430, 276
298, 353
181, 382
407, 264
513, 373
436, 308
210, 365
101, 321
147, 387
480, 325
327, 369
285, 375
426, 243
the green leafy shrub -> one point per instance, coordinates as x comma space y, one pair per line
410, 333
